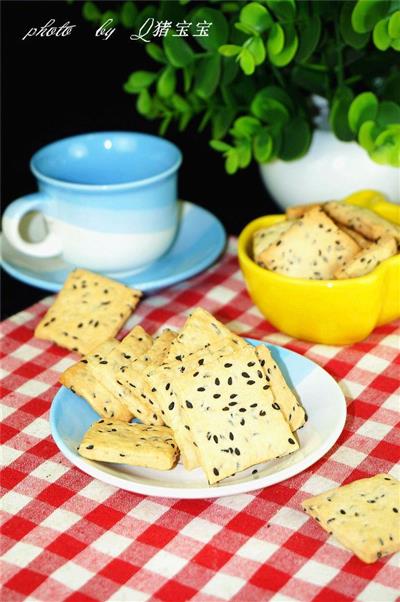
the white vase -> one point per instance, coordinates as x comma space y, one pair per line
330, 170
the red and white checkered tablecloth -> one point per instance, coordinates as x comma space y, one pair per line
69, 537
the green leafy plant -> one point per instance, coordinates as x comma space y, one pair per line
253, 79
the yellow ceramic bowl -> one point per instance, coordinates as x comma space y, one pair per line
334, 312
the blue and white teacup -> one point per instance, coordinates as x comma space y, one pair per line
109, 201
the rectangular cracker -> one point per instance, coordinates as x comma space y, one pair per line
230, 410
201, 330
289, 405
299, 210
368, 259
130, 443
80, 380
313, 248
111, 369
362, 220
135, 376
87, 311
263, 238
363, 516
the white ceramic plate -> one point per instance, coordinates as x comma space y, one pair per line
71, 416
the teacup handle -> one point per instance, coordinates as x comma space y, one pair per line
38, 201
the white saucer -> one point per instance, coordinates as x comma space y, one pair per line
200, 240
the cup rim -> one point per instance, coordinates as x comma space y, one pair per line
104, 187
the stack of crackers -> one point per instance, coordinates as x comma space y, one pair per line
203, 393
326, 242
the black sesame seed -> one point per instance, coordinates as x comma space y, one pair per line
233, 396
262, 413
276, 406
292, 441
237, 451
201, 389
251, 382
215, 438
171, 405
217, 381
227, 365
245, 375
89, 446
167, 386
395, 510
342, 512
215, 471
188, 404
216, 396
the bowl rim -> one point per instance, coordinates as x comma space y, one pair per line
259, 222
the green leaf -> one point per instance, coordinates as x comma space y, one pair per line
180, 103
338, 116
387, 147
229, 71
90, 11
144, 103
221, 121
310, 35
166, 82
278, 94
394, 25
276, 39
109, 14
269, 109
296, 139
257, 49
285, 10
156, 53
247, 62
314, 81
245, 127
220, 146
165, 124
380, 35
395, 44
139, 80
207, 76
388, 113
366, 13
229, 50
217, 33
244, 153
255, 16
184, 120
367, 134
284, 57
188, 74
128, 14
363, 108
178, 52
263, 146
351, 37
232, 161
245, 29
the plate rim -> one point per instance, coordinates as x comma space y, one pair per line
150, 285
222, 490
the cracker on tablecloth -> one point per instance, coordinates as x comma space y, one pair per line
288, 403
81, 381
363, 515
313, 248
87, 311
230, 409
130, 443
362, 220
368, 259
